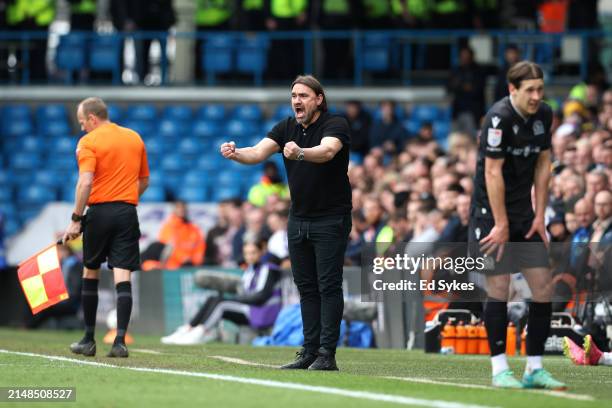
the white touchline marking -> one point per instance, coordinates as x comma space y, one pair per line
365, 395
242, 362
146, 351
560, 394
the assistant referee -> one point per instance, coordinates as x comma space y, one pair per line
315, 146
113, 174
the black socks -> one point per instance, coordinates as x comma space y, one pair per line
496, 323
538, 327
89, 298
124, 309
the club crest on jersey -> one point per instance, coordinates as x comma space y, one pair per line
538, 128
515, 129
495, 121
494, 137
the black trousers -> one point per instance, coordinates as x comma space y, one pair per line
316, 250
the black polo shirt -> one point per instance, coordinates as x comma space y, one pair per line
519, 141
317, 189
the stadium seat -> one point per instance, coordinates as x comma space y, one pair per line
192, 194
197, 178
28, 143
178, 112
190, 146
13, 112
154, 194
17, 127
156, 177
238, 129
156, 146
441, 130
252, 56
141, 112
143, 127
63, 145
6, 177
173, 163
48, 178
376, 52
6, 193
247, 112
212, 112
51, 111
217, 55
71, 54
29, 212
228, 178
11, 226
22, 161
281, 112
54, 128
64, 162
8, 209
210, 162
115, 113
106, 55
34, 194
205, 129
173, 128
226, 192
67, 193
425, 113
412, 126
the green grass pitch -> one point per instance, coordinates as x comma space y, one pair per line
426, 380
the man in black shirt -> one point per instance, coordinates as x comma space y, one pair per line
514, 155
315, 146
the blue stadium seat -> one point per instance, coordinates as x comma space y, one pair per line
48, 178
141, 112
6, 193
34, 194
28, 212
143, 127
115, 113
11, 226
67, 193
425, 113
399, 113
197, 178
217, 55
105, 55
226, 192
8, 209
205, 129
54, 128
239, 129
173, 163
14, 112
441, 130
63, 162
156, 177
28, 143
51, 111
247, 112
281, 112
190, 146
412, 126
376, 53
210, 162
192, 194
63, 145
178, 112
212, 112
25, 161
6, 177
154, 194
71, 54
173, 128
156, 146
252, 56
228, 178
17, 127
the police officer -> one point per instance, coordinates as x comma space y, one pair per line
514, 155
315, 146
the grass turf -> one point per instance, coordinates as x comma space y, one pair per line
362, 370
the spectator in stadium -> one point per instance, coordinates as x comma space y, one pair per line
180, 243
271, 183
388, 132
466, 87
254, 226
315, 146
503, 211
65, 313
113, 174
257, 303
596, 181
512, 55
588, 354
359, 121
278, 246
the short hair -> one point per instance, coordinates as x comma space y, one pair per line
524, 71
314, 84
94, 106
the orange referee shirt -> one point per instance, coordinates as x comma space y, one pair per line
118, 158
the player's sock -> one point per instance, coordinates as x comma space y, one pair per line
89, 299
124, 309
496, 322
538, 327
533, 363
499, 364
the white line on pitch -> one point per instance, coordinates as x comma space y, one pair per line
242, 362
363, 395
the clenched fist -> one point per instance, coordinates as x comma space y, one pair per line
228, 150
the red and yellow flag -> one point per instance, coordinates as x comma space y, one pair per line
42, 280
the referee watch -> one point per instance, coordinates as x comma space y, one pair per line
300, 156
76, 218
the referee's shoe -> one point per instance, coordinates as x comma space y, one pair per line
87, 348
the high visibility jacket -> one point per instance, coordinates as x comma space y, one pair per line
84, 7
210, 13
376, 8
287, 8
41, 11
252, 4
336, 7
186, 240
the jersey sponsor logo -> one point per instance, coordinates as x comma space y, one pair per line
495, 121
538, 127
494, 137
515, 129
523, 151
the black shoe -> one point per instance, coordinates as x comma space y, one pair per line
87, 349
326, 361
118, 350
303, 359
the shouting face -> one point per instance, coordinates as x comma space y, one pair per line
305, 104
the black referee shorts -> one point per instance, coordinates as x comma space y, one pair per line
111, 233
519, 252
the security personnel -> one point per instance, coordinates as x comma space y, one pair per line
377, 14
253, 17
211, 15
82, 14
337, 52
113, 174
36, 16
514, 156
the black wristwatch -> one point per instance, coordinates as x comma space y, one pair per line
76, 218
